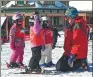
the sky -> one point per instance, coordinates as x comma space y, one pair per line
82, 5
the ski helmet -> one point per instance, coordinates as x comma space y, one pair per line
44, 20
71, 12
31, 20
17, 18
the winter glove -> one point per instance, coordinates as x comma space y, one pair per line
71, 60
43, 47
36, 17
12, 46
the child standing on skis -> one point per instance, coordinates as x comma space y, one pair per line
17, 42
36, 40
46, 55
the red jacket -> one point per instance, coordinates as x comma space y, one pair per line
67, 41
17, 36
17, 32
48, 35
79, 39
36, 39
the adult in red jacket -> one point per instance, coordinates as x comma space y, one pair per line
17, 42
62, 64
79, 43
67, 41
79, 47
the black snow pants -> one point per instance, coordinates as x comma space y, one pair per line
62, 64
36, 56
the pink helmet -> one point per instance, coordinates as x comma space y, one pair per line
17, 16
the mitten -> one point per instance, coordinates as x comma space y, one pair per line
71, 60
36, 17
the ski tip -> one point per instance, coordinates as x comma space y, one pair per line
7, 64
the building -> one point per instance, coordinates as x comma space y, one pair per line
55, 14
27, 8
4, 3
54, 9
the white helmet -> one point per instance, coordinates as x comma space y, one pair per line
17, 16
31, 19
44, 18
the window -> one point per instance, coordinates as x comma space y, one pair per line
49, 2
53, 2
47, 11
20, 3
61, 11
54, 11
91, 20
56, 20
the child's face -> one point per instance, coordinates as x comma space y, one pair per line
69, 19
20, 22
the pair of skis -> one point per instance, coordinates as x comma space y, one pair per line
43, 71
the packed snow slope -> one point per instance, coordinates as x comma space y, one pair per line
56, 54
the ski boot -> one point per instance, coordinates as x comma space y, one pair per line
43, 65
28, 70
85, 65
21, 65
12, 65
50, 64
39, 70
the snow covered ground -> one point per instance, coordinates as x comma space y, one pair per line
56, 54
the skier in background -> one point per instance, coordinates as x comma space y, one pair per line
17, 42
75, 55
46, 54
88, 30
91, 33
55, 36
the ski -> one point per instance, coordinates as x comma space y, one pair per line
45, 72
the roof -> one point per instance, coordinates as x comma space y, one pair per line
57, 5
9, 4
